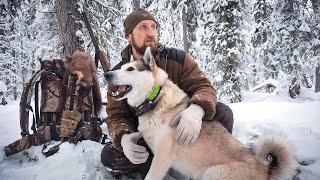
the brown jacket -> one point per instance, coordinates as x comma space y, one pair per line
185, 73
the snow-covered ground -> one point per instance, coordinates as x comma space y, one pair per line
297, 121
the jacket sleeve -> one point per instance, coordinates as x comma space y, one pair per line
119, 120
195, 83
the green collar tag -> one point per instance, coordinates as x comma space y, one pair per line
154, 93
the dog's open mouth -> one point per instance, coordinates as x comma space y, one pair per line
121, 91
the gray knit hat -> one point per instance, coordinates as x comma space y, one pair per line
134, 18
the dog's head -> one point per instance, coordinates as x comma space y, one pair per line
135, 79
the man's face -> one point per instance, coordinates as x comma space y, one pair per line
144, 34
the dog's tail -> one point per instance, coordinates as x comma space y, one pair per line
276, 154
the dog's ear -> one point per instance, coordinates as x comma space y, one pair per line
148, 58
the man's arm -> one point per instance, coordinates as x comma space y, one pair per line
120, 120
196, 84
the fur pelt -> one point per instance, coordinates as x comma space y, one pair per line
83, 62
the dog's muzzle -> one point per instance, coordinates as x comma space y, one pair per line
121, 89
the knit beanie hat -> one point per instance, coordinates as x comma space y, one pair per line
134, 18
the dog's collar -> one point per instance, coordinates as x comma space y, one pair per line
149, 103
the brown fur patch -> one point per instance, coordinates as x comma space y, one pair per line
82, 61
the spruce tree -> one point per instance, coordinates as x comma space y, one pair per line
291, 45
227, 45
262, 69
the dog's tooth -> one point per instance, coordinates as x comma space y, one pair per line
115, 93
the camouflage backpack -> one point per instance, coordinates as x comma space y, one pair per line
68, 107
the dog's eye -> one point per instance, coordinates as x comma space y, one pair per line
130, 69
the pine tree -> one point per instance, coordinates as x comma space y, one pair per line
200, 25
261, 67
27, 38
291, 45
226, 45
7, 11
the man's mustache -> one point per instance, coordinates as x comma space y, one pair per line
149, 39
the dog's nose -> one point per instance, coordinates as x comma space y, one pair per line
108, 76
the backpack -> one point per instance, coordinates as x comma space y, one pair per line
55, 80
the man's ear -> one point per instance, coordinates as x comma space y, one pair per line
148, 58
129, 37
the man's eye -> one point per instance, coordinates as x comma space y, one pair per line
143, 27
130, 69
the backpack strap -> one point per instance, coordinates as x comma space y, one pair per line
173, 54
118, 66
36, 103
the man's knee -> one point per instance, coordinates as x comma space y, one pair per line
224, 115
117, 162
108, 155
114, 159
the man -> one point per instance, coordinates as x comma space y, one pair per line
128, 152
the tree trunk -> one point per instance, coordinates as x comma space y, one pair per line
136, 4
68, 19
316, 11
317, 88
185, 32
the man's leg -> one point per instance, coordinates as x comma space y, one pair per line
224, 115
118, 163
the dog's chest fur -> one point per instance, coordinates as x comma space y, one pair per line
155, 123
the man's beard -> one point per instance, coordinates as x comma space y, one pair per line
142, 49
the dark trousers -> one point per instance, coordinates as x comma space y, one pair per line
118, 163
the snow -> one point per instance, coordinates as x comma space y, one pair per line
3, 87
304, 27
260, 114
32, 34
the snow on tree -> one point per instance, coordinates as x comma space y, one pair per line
261, 68
106, 18
227, 44
315, 21
238, 44
291, 45
28, 35
7, 73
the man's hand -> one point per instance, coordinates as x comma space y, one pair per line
135, 153
189, 125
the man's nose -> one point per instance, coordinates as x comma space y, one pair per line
151, 32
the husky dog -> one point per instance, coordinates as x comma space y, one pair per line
215, 155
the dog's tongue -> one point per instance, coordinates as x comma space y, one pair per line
121, 89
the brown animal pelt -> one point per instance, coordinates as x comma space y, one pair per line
82, 61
